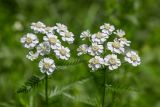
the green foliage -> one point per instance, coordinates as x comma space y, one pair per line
32, 82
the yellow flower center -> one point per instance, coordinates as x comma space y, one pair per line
68, 35
48, 29
95, 61
44, 48
52, 40
116, 44
99, 35
39, 25
28, 40
47, 65
133, 57
95, 48
112, 61
63, 52
107, 27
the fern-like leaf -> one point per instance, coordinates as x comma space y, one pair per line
30, 84
70, 62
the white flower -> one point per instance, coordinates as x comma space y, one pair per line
99, 38
43, 48
120, 33
68, 37
47, 66
29, 40
82, 49
32, 56
115, 47
53, 40
62, 53
49, 30
95, 62
85, 34
124, 41
38, 27
107, 28
112, 61
60, 28
132, 58
95, 49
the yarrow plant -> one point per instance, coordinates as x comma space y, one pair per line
44, 42
51, 44
108, 48
107, 53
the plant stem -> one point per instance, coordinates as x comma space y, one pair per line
104, 88
46, 89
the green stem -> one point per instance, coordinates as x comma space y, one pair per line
46, 89
104, 88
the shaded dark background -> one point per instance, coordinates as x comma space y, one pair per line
76, 87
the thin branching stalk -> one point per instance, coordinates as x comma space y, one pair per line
104, 88
46, 89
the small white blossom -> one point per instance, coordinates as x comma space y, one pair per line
124, 41
38, 27
43, 48
115, 47
68, 37
32, 56
62, 53
85, 34
60, 28
82, 49
95, 49
29, 40
95, 62
120, 33
49, 30
107, 28
112, 61
132, 58
47, 66
53, 40
99, 38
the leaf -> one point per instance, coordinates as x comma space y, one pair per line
30, 84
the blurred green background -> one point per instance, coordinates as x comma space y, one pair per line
76, 86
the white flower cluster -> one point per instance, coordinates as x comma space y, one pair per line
106, 53
50, 44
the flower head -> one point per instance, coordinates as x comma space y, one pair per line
112, 61
62, 53
29, 40
85, 34
49, 30
32, 56
68, 37
83, 49
107, 28
60, 28
132, 58
95, 63
120, 33
43, 48
47, 65
95, 49
115, 46
124, 41
38, 27
53, 40
99, 38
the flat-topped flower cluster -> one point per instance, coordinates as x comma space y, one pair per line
106, 53
51, 44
